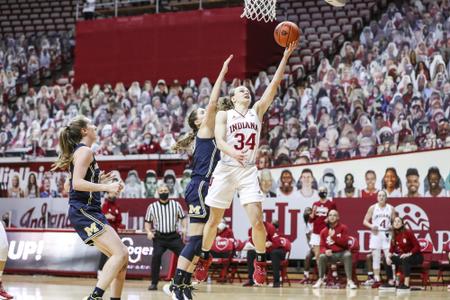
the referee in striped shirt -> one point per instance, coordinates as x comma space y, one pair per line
161, 222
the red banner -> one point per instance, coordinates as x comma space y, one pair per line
182, 45
425, 216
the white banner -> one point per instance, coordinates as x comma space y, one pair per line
36, 212
289, 209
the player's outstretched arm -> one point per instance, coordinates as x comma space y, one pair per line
269, 94
211, 109
220, 132
82, 158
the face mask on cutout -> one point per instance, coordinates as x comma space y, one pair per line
322, 195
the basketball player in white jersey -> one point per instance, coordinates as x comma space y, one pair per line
378, 219
237, 134
3, 258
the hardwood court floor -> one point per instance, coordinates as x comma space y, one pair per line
72, 288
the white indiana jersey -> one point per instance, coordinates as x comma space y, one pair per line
243, 133
381, 217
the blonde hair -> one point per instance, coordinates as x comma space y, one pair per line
224, 103
186, 141
69, 137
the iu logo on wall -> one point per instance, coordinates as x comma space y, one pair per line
418, 221
424, 216
413, 217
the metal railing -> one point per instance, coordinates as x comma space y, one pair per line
114, 5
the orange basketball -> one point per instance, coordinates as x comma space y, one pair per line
285, 33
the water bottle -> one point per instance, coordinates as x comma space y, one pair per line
396, 276
397, 279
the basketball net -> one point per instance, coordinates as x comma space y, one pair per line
260, 10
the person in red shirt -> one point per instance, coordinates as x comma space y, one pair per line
224, 231
318, 218
113, 214
274, 252
334, 248
404, 253
149, 146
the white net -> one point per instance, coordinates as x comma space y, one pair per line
260, 10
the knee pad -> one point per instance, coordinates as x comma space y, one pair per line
192, 248
376, 259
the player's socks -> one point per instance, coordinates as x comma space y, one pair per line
260, 257
204, 254
187, 278
179, 276
97, 293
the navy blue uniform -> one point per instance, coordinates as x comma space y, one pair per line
85, 212
206, 156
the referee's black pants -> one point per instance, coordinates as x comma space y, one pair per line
162, 242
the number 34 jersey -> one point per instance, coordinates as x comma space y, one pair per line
243, 132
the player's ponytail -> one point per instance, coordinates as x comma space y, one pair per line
69, 137
225, 104
186, 141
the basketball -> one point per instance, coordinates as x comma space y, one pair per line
286, 33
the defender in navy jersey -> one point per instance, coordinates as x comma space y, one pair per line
86, 183
85, 207
206, 156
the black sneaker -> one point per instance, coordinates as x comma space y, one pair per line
276, 284
188, 291
387, 287
403, 288
153, 287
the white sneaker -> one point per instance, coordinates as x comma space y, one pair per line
166, 290
318, 284
351, 285
368, 282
